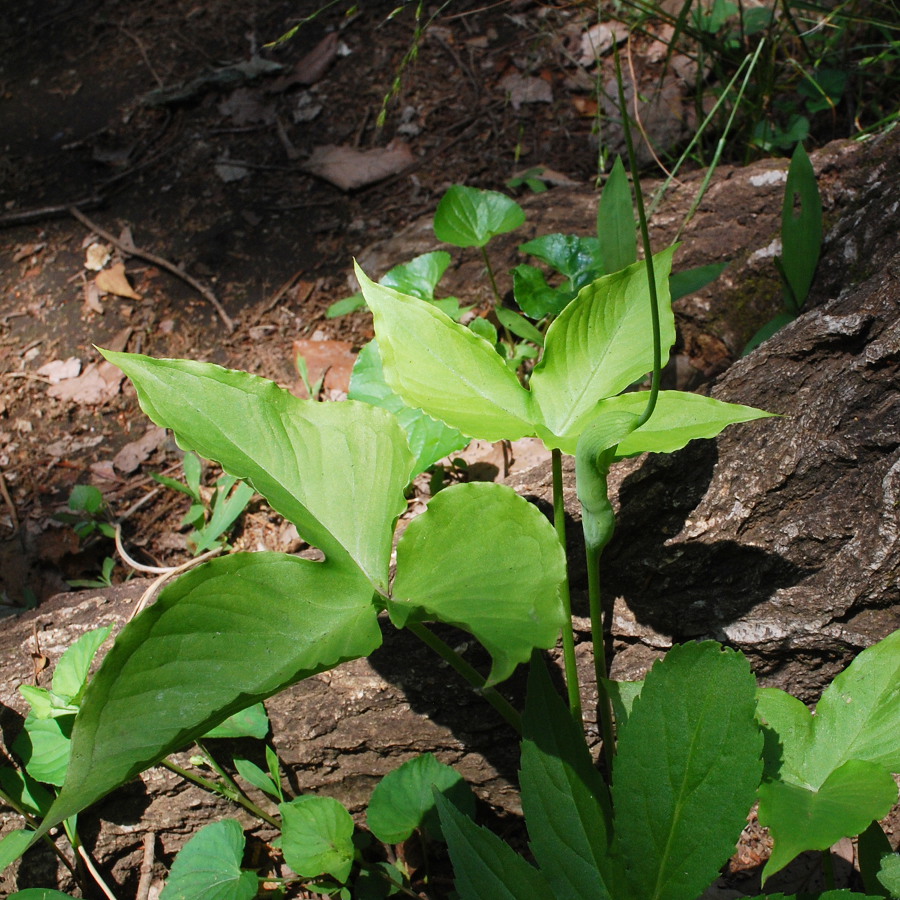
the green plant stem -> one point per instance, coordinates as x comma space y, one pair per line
828, 869
568, 635
598, 638
472, 675
214, 788
490, 271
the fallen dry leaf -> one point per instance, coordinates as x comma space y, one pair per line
92, 298
96, 257
526, 89
61, 370
246, 107
130, 457
23, 251
98, 383
349, 168
310, 68
113, 281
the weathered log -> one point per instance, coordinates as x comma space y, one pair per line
780, 538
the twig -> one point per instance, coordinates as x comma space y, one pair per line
36, 214
4, 492
132, 250
143, 888
143, 53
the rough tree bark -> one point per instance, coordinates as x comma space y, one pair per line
780, 538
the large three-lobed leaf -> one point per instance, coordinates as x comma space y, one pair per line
239, 629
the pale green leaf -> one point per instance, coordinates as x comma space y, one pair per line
299, 454
445, 369
800, 819
253, 774
429, 439
317, 837
487, 868
598, 346
44, 746
686, 771
404, 799
71, 672
208, 867
470, 217
889, 874
29, 794
622, 695
518, 325
225, 635
486, 560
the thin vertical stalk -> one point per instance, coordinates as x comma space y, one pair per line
490, 272
598, 637
568, 635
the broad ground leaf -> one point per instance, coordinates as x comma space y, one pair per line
208, 867
857, 721
686, 772
800, 819
485, 867
470, 217
253, 774
570, 254
299, 454
317, 837
227, 634
622, 695
429, 439
418, 277
598, 346
439, 366
615, 221
404, 799
889, 874
486, 560
679, 417
872, 847
13, 845
28, 793
535, 297
565, 801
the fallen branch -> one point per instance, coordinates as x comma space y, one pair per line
132, 250
39, 213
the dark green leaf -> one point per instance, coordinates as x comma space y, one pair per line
39, 894
44, 747
535, 297
683, 283
485, 867
404, 799
801, 226
686, 771
771, 327
570, 254
346, 306
28, 793
889, 874
469, 217
209, 866
566, 802
622, 695
872, 847
13, 845
253, 774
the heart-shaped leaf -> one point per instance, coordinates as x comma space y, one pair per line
404, 799
209, 866
470, 217
420, 276
317, 837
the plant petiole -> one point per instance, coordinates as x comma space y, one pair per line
471, 674
222, 790
568, 636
